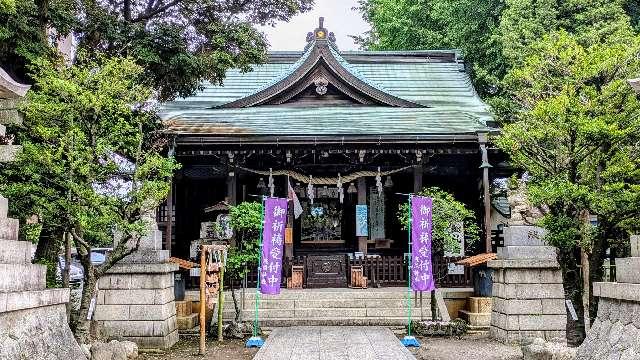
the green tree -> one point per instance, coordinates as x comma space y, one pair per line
178, 43
91, 163
447, 215
246, 222
577, 137
469, 25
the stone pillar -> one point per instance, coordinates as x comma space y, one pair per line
615, 334
135, 298
528, 297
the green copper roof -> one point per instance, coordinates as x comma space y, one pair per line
432, 78
334, 120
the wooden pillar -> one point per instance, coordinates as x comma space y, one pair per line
417, 178
482, 138
362, 200
169, 212
232, 193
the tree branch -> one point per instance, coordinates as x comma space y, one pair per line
151, 13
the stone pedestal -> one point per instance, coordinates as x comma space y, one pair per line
615, 334
136, 300
528, 297
33, 319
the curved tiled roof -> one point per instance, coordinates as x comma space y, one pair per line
432, 78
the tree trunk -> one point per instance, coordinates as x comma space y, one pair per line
82, 326
596, 274
572, 283
47, 250
434, 306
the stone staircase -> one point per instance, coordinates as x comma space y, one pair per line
333, 307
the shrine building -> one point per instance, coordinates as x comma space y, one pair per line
352, 131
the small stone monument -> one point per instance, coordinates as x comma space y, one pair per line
528, 296
135, 300
33, 319
615, 334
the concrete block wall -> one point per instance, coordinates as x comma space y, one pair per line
528, 297
615, 334
136, 300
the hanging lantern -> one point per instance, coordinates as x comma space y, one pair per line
340, 189
310, 193
379, 182
388, 183
262, 187
272, 186
352, 189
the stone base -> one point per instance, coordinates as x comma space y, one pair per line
136, 303
476, 320
528, 296
37, 334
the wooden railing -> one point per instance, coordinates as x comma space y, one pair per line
380, 271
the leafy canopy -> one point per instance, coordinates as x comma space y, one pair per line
177, 43
447, 214
91, 158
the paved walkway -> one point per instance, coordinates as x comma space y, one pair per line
333, 343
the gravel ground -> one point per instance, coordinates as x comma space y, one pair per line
188, 349
470, 347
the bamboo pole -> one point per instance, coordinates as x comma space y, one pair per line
203, 273
220, 301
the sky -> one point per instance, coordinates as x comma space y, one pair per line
339, 18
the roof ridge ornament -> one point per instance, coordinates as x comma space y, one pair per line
321, 33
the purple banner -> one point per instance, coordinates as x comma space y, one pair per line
421, 226
275, 222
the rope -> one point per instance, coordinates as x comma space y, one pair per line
323, 180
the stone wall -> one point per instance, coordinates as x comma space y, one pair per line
615, 334
528, 297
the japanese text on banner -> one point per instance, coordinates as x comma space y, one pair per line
421, 226
273, 233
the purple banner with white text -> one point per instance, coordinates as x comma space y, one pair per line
275, 222
421, 226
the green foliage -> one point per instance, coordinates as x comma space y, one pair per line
468, 25
576, 131
447, 213
246, 222
90, 159
177, 43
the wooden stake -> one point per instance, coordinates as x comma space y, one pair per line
203, 300
220, 301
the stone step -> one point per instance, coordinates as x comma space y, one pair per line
4, 207
187, 322
20, 300
346, 313
328, 321
21, 277
337, 294
3, 130
336, 304
527, 252
482, 320
9, 228
15, 252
